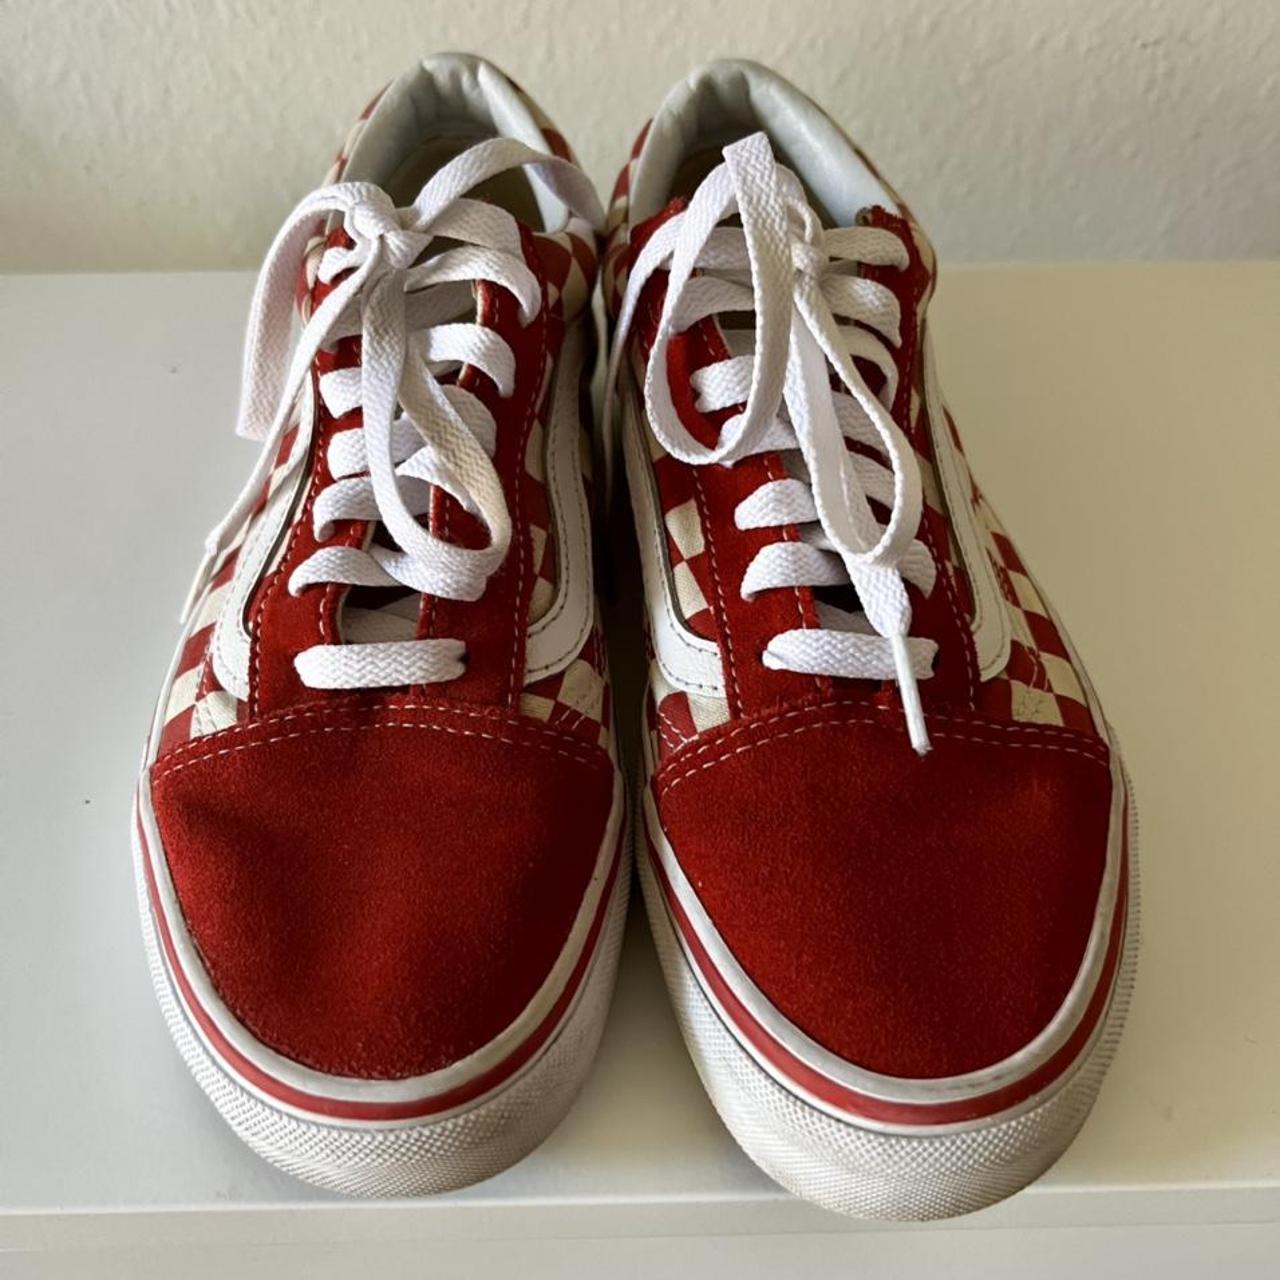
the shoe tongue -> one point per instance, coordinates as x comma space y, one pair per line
382, 614
565, 260
710, 340
704, 343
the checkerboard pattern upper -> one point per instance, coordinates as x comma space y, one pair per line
578, 697
197, 703
1040, 683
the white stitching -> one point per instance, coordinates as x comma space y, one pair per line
669, 784
303, 519
995, 726
164, 768
494, 713
578, 493
521, 611
998, 726
714, 571
654, 531
675, 731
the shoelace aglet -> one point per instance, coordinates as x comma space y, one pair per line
909, 692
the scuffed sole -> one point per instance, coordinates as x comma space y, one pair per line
419, 1158
863, 1172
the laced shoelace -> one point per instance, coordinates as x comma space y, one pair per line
813, 316
417, 434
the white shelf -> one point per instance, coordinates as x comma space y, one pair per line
1123, 420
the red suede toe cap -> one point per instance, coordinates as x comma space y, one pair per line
379, 894
919, 917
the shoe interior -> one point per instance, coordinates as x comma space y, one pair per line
727, 100
436, 111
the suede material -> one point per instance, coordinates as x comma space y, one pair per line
919, 917
379, 892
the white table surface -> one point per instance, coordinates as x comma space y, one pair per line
1126, 423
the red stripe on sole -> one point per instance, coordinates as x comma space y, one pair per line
345, 1109
866, 1106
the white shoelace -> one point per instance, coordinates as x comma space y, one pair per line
417, 434
796, 278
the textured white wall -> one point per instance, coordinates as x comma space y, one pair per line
176, 133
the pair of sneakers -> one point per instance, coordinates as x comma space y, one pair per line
381, 832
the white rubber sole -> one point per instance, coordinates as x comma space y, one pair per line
408, 1158
868, 1173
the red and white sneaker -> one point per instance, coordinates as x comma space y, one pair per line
888, 841
379, 827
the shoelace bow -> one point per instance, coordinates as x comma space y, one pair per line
417, 433
794, 276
